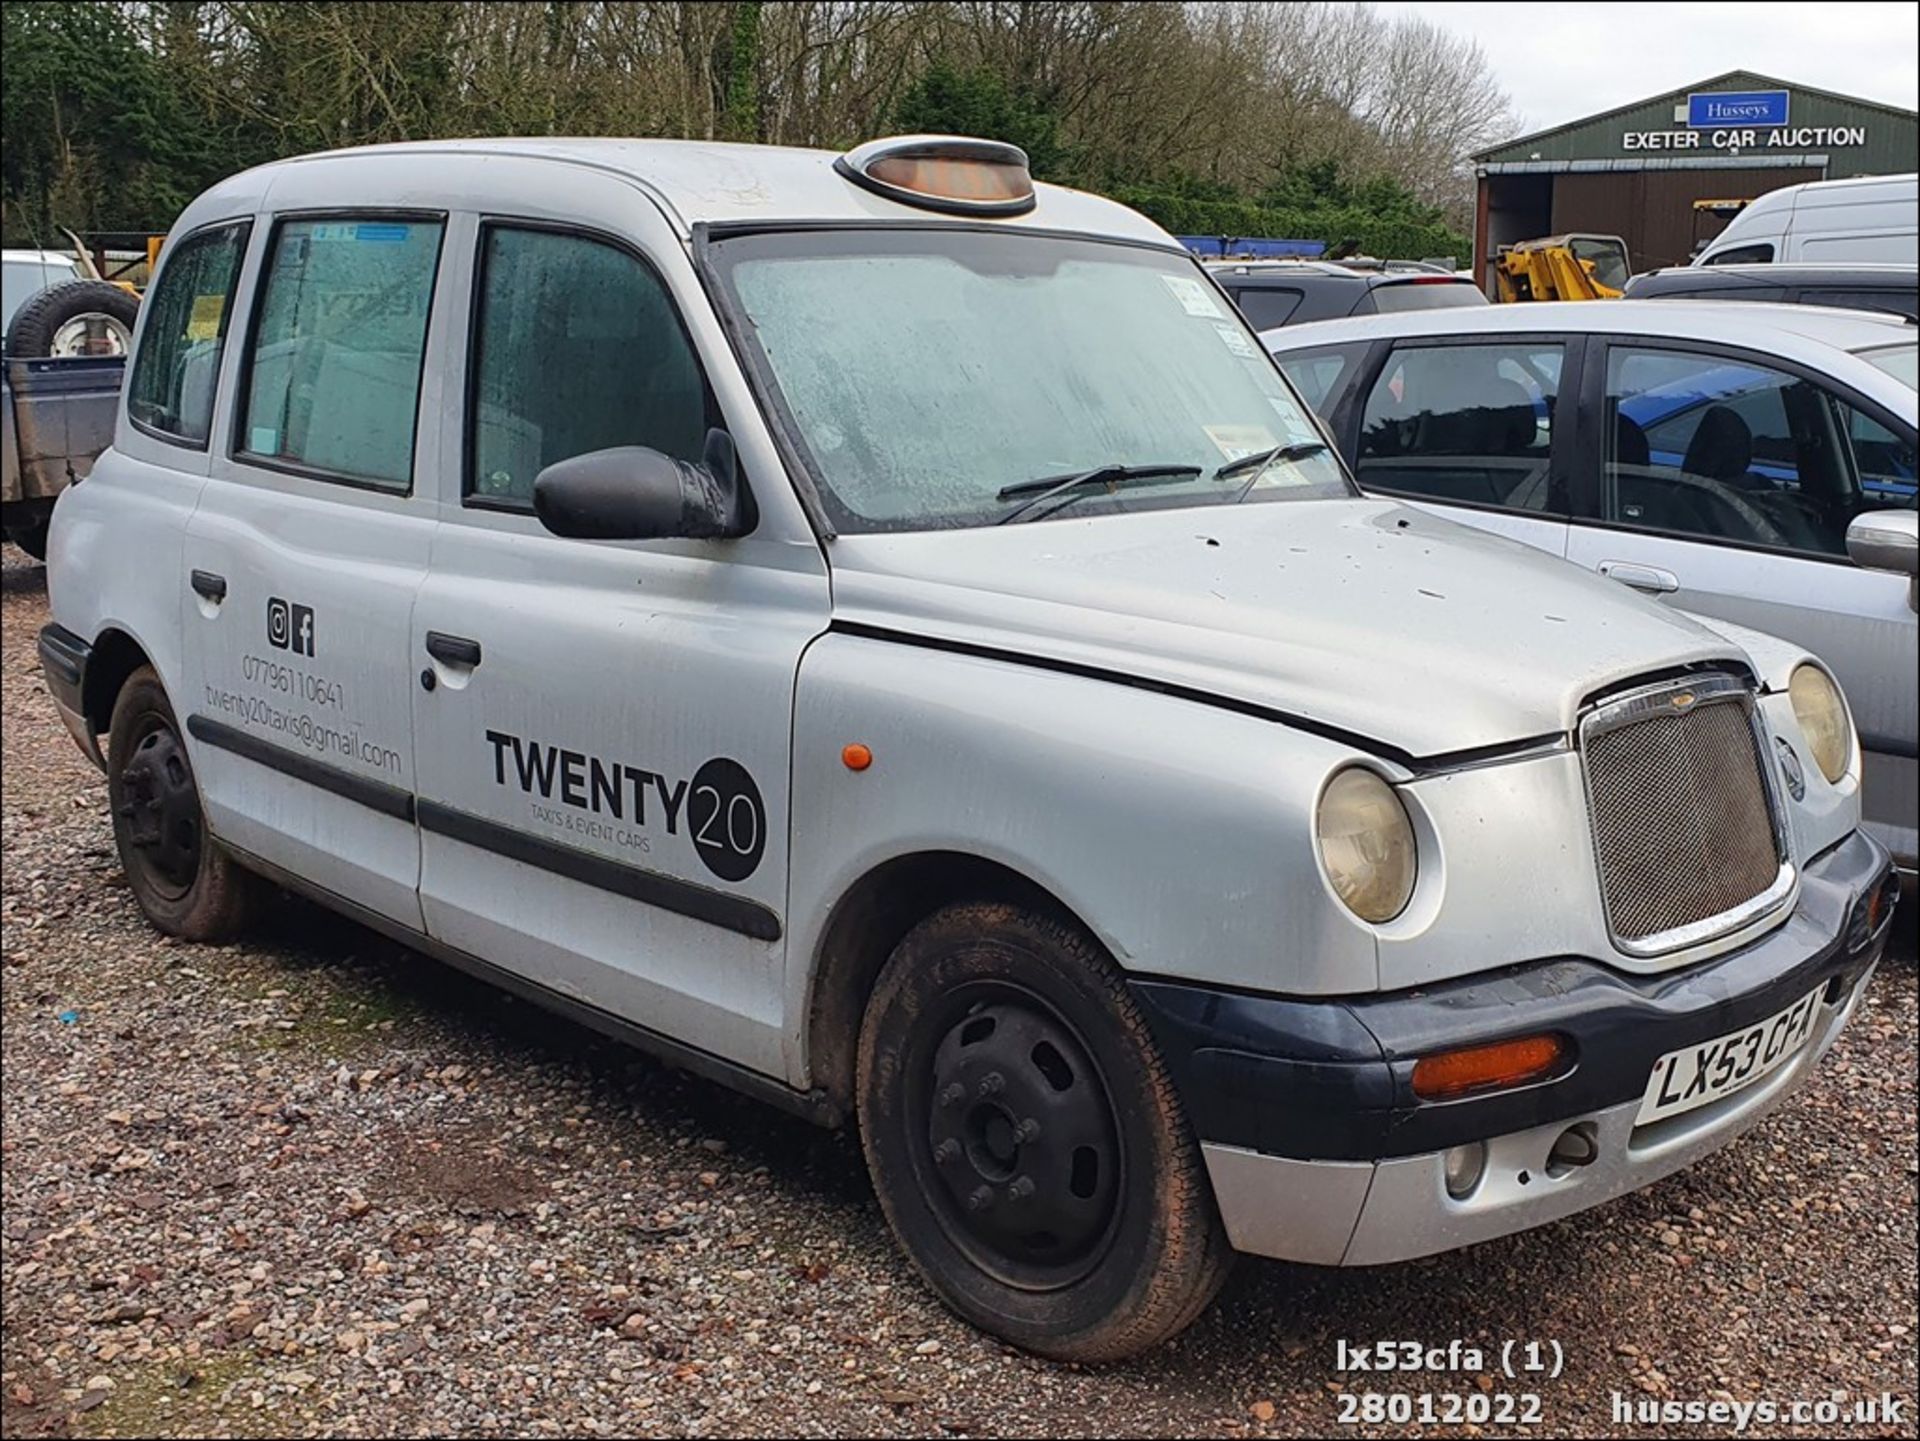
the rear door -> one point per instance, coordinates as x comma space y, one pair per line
1473, 429
1724, 483
304, 556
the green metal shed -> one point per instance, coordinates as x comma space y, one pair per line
1666, 173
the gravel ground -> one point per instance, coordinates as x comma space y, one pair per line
317, 1184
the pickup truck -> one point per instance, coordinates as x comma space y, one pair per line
55, 419
65, 353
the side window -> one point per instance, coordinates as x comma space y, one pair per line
577, 347
1744, 255
1317, 374
333, 382
1883, 463
171, 389
1726, 449
1471, 423
1266, 309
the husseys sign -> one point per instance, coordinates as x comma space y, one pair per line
1734, 120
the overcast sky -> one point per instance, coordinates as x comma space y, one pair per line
1562, 61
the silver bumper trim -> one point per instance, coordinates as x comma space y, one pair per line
1369, 1213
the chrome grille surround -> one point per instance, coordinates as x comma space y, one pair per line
1689, 832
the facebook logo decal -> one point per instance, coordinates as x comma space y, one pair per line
289, 626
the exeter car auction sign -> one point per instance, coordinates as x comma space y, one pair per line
1740, 120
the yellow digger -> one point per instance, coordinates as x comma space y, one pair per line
1563, 267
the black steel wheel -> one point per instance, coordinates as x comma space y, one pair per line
1026, 1142
185, 883
1022, 1151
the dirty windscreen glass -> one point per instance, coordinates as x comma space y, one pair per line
922, 371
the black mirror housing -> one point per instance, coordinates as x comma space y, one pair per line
631, 492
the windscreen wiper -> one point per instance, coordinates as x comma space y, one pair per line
1046, 487
1261, 459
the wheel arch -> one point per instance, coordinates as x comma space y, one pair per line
115, 656
869, 919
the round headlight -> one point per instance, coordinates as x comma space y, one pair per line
1366, 843
1823, 719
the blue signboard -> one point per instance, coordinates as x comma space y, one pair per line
1740, 107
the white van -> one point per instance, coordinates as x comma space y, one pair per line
882, 633
1871, 217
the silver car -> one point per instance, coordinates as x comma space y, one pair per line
1752, 463
880, 633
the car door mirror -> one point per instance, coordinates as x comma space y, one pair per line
1885, 540
631, 492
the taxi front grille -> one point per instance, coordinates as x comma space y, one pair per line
1685, 827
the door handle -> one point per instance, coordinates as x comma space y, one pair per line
453, 649
1649, 578
208, 585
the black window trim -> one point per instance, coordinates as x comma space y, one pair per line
1588, 489
236, 454
470, 388
244, 224
1570, 418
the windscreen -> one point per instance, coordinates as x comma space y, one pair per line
923, 371
1899, 361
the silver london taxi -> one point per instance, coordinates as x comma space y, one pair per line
883, 634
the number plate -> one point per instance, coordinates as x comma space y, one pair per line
1695, 1075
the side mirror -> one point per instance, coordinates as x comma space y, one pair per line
630, 492
1885, 540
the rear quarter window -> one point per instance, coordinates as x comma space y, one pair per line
1266, 308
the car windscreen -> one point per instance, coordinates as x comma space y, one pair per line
1899, 361
1425, 295
922, 371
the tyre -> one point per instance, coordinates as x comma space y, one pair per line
31, 536
75, 317
187, 885
1026, 1142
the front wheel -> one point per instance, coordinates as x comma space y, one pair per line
185, 883
1026, 1142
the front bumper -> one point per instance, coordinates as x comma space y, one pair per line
1319, 1151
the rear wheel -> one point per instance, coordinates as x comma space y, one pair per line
1026, 1143
185, 883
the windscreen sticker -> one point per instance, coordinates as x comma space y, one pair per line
263, 440
1236, 340
1193, 296
1294, 421
1234, 441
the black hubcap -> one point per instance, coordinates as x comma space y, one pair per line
158, 810
1023, 1144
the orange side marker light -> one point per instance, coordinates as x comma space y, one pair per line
855, 757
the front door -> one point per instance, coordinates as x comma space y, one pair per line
1475, 431
303, 560
1725, 487
603, 728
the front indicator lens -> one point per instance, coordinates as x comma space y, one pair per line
1487, 1068
1366, 843
1823, 720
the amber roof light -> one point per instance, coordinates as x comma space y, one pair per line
951, 173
